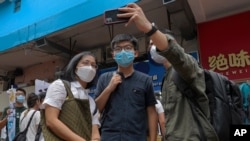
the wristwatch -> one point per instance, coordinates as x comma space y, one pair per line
152, 31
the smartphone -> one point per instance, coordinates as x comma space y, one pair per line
110, 17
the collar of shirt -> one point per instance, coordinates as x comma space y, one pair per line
78, 91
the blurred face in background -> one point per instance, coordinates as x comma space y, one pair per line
20, 97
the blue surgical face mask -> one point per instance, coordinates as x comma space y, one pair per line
124, 58
20, 98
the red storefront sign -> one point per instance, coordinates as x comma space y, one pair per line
225, 46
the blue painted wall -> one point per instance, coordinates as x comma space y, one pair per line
38, 18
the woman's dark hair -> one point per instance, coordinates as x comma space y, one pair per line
31, 102
32, 99
69, 73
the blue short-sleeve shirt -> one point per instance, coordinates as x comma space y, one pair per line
125, 114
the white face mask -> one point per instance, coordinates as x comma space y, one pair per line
42, 106
155, 56
86, 73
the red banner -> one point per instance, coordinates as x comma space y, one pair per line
225, 46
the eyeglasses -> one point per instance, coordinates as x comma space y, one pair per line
88, 63
126, 48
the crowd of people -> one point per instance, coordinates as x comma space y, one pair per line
124, 107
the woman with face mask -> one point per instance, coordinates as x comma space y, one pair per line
78, 76
33, 103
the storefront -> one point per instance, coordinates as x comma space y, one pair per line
225, 47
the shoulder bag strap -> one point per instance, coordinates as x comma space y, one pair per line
67, 87
30, 121
38, 133
23, 117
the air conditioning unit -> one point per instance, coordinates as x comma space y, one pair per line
3, 85
52, 48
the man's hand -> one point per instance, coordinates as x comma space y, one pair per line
137, 16
115, 80
9, 111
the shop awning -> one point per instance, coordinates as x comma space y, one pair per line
38, 18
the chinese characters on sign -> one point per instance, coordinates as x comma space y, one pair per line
223, 62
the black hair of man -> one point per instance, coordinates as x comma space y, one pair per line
124, 37
21, 89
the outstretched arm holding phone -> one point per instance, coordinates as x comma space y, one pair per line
137, 16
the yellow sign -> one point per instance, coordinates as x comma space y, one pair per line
223, 62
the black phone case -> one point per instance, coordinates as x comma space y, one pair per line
110, 17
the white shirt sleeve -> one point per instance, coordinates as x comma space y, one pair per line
159, 107
94, 112
56, 94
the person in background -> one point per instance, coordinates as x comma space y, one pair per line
33, 103
161, 119
80, 73
39, 134
19, 108
178, 110
245, 91
158, 58
126, 97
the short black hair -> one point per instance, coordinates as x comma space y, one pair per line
124, 37
21, 89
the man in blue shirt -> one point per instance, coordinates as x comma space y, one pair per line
126, 97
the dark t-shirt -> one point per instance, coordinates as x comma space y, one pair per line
19, 110
125, 115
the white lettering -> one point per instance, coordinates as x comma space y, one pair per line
240, 71
243, 131
240, 132
237, 132
235, 72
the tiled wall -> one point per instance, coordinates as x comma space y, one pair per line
43, 71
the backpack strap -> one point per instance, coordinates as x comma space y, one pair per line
190, 94
183, 86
